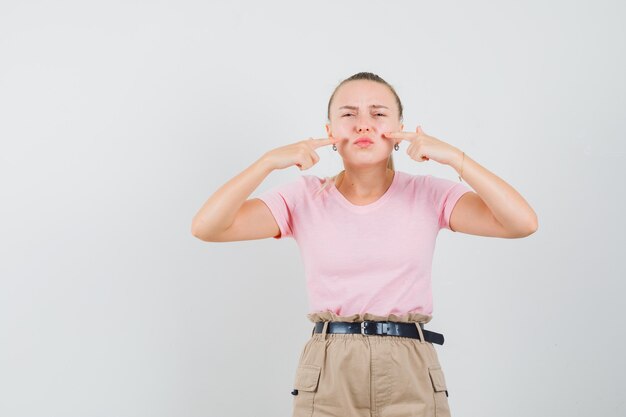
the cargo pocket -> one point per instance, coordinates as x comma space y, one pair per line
304, 389
442, 409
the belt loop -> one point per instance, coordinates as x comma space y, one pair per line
419, 330
324, 330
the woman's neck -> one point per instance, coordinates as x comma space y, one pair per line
364, 184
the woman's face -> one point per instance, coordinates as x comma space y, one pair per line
363, 108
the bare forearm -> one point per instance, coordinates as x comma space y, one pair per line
507, 205
220, 210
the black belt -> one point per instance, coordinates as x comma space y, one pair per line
389, 328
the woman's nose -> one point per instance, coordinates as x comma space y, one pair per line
363, 124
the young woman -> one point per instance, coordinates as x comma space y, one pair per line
367, 237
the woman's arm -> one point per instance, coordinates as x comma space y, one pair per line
219, 212
495, 209
227, 215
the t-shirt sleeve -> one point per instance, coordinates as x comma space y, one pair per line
282, 200
444, 194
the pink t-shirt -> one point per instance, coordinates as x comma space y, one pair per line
374, 258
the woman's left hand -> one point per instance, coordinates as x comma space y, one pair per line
424, 147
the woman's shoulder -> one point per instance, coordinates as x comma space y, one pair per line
427, 183
409, 178
422, 179
312, 179
408, 175
301, 184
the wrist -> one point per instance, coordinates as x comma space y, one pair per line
264, 164
459, 163
457, 160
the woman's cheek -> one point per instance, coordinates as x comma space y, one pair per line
343, 131
386, 127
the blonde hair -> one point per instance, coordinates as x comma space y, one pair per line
361, 76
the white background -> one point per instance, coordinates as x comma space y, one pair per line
119, 119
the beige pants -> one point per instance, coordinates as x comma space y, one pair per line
355, 375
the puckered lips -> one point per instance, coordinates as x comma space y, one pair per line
363, 141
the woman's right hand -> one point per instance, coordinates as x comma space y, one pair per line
302, 154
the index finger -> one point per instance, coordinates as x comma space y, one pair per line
317, 143
400, 135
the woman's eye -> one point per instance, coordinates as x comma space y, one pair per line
377, 114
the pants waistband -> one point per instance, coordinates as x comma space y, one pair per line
379, 328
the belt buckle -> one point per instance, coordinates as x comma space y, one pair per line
385, 328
